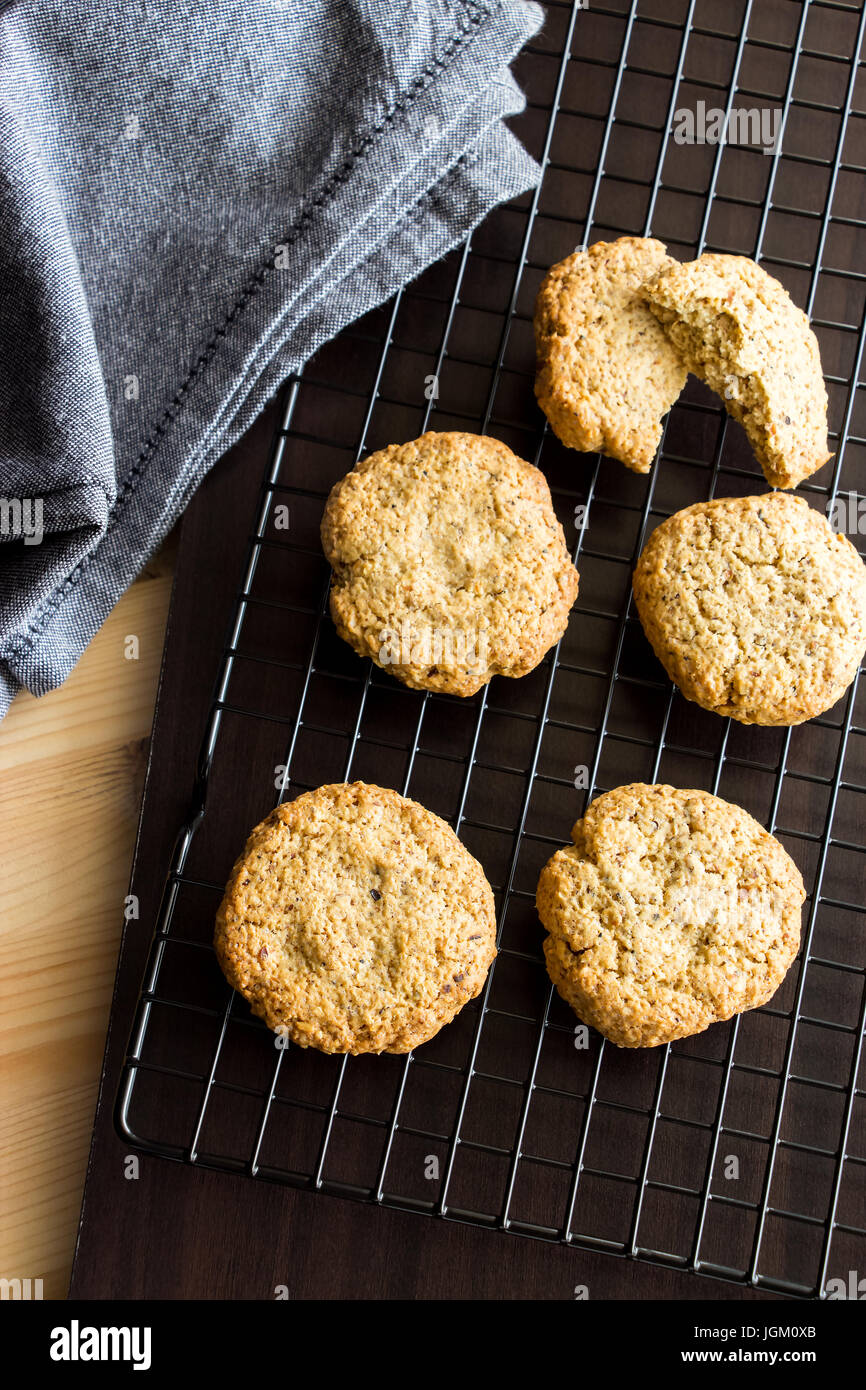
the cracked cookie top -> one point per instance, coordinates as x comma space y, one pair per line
670, 911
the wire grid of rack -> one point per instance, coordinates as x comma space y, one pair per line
740, 1153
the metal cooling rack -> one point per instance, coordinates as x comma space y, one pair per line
632, 1153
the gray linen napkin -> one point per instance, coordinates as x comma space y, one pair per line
193, 197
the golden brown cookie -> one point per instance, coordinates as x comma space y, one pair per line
356, 921
449, 564
671, 910
607, 373
754, 606
738, 330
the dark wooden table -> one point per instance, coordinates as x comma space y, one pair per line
181, 1232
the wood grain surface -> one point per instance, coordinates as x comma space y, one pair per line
71, 774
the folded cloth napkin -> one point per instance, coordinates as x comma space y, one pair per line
193, 197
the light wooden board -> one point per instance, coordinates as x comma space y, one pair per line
71, 772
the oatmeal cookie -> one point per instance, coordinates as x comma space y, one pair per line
356, 921
607, 372
739, 331
449, 563
670, 911
755, 607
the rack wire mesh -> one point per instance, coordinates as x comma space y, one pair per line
740, 1153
